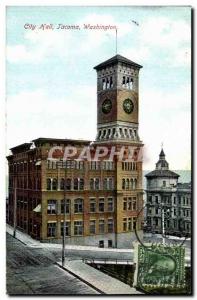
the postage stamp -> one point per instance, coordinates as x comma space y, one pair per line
159, 266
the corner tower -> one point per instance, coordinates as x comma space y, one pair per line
117, 100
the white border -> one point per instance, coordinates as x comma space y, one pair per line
3, 5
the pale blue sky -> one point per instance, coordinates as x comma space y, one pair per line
51, 84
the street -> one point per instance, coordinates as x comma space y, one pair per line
33, 271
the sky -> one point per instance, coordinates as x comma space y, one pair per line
51, 83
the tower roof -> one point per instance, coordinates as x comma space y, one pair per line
115, 59
162, 153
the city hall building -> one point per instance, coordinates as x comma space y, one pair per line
99, 201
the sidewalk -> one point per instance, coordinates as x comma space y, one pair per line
26, 239
102, 282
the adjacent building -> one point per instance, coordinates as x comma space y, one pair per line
168, 202
99, 201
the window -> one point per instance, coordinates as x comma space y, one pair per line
78, 227
110, 243
105, 184
81, 183
92, 226
134, 223
110, 225
164, 183
101, 244
129, 224
127, 184
91, 184
51, 209
150, 199
75, 184
110, 204
62, 184
156, 200
97, 183
129, 203
67, 228
123, 184
54, 184
101, 205
94, 165
124, 224
48, 184
174, 200
68, 184
78, 205
92, 205
134, 204
51, 229
101, 226
67, 207
125, 204
110, 183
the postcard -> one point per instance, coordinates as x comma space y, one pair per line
99, 189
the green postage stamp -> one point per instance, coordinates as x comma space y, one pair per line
159, 266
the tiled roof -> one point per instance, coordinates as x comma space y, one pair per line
115, 59
162, 173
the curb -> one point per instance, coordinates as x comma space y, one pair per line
81, 279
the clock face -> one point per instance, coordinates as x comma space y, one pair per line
128, 106
106, 106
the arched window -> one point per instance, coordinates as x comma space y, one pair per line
76, 184
68, 184
135, 184
97, 184
62, 184
123, 184
48, 184
132, 184
81, 184
91, 184
127, 184
54, 184
105, 184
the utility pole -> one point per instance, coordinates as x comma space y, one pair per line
163, 225
15, 205
64, 222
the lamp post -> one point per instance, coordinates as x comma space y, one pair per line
64, 222
15, 205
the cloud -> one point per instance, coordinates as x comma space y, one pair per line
38, 114
166, 117
38, 45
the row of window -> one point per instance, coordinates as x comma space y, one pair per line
129, 166
129, 183
129, 203
129, 224
169, 212
22, 183
78, 184
104, 226
80, 165
107, 83
169, 200
169, 224
23, 166
102, 205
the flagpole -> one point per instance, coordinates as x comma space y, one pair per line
116, 41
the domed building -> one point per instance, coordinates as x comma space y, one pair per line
168, 205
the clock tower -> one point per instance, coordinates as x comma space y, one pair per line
117, 100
